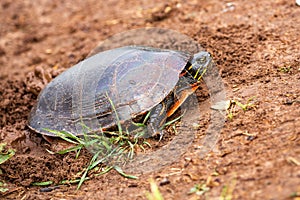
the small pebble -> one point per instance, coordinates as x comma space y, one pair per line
48, 189
250, 137
165, 181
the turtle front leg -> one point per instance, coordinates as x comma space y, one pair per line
184, 88
158, 116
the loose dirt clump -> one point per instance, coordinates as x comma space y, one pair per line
46, 168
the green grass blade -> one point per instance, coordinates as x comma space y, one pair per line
63, 182
105, 171
172, 121
5, 155
64, 151
115, 111
82, 179
155, 193
146, 118
66, 136
120, 171
46, 183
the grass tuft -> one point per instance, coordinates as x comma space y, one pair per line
112, 148
233, 103
5, 154
199, 189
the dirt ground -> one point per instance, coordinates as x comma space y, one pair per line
256, 48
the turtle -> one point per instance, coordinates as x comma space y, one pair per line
117, 86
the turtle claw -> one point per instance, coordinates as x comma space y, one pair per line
161, 134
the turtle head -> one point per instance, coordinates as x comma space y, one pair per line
199, 64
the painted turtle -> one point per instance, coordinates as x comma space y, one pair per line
132, 79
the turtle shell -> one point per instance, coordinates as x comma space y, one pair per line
132, 79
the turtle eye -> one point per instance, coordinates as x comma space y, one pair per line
201, 60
